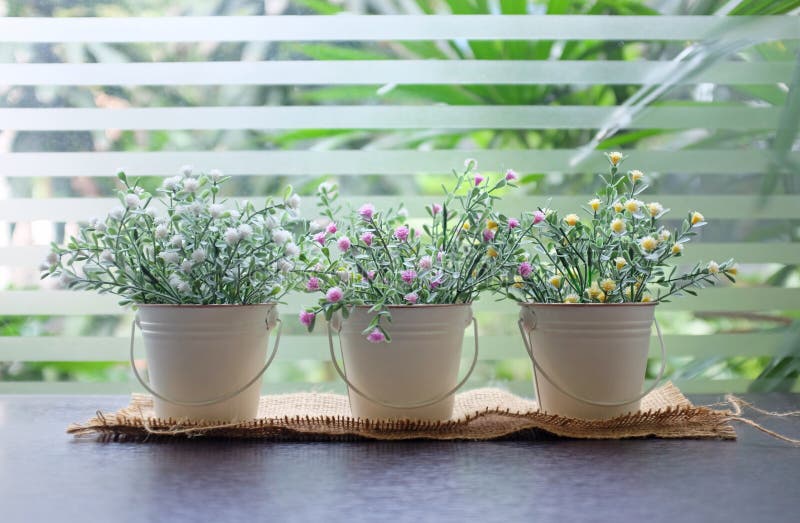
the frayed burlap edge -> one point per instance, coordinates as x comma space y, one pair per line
482, 414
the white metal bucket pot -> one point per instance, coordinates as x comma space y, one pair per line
413, 377
589, 360
205, 362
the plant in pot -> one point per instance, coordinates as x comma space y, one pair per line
398, 292
588, 288
204, 277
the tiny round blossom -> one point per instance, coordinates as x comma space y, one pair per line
513, 223
183, 287
491, 252
307, 318
594, 204
408, 275
343, 275
215, 174
245, 231
172, 183
733, 270
343, 243
635, 175
436, 208
312, 284
293, 202
107, 256
231, 235
571, 298
571, 219
648, 243
285, 266
511, 175
169, 257
713, 267
320, 238
216, 210
593, 291
191, 185
176, 241
292, 249
281, 236
479, 179
161, 232
52, 258
647, 298
633, 206
370, 275
677, 248
439, 256
331, 228
401, 233
618, 226
655, 208
518, 281
614, 157
132, 201
425, 263
403, 213
488, 235
367, 238
492, 225
101, 227
186, 170
555, 281
466, 226
411, 297
117, 213
366, 211
234, 214
618, 207
199, 256
538, 217
525, 269
663, 235
697, 218
608, 285
620, 262
186, 266
376, 336
334, 295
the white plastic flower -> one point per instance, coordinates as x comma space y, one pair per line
107, 256
293, 202
117, 213
132, 201
271, 222
101, 227
177, 241
173, 183
199, 256
403, 213
216, 210
191, 185
215, 174
281, 236
285, 266
186, 170
51, 258
245, 231
234, 214
292, 249
186, 266
231, 236
161, 232
196, 208
170, 257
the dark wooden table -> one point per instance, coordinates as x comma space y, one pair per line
46, 475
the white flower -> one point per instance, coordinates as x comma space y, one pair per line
186, 266
403, 213
285, 266
169, 257
326, 187
132, 201
344, 276
161, 232
117, 213
199, 256
172, 183
138, 191
65, 279
107, 256
713, 267
183, 287
215, 174
292, 249
245, 231
52, 258
663, 235
101, 227
190, 185
231, 236
271, 222
293, 202
216, 210
281, 236
186, 170
196, 207
181, 209
150, 212
234, 214
177, 241
315, 226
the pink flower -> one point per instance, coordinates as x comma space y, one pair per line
538, 217
511, 175
306, 318
479, 179
425, 262
513, 223
439, 256
367, 238
525, 269
411, 297
436, 209
343, 243
401, 233
331, 228
436, 281
408, 275
488, 235
376, 336
367, 211
312, 284
371, 275
320, 238
334, 294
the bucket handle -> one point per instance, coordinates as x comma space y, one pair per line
213, 401
527, 342
417, 405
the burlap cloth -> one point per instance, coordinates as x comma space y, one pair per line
481, 414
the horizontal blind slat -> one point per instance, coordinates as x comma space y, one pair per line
44, 302
402, 27
314, 347
424, 72
714, 207
384, 117
385, 162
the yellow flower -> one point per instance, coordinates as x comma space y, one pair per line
655, 208
491, 225
648, 243
595, 204
491, 252
697, 218
663, 235
518, 281
614, 157
555, 281
608, 285
571, 219
620, 262
466, 226
618, 206
601, 297
733, 269
636, 175
633, 206
647, 298
713, 267
593, 291
677, 248
618, 225
571, 298
630, 292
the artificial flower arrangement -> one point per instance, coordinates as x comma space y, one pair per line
619, 252
377, 258
184, 247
